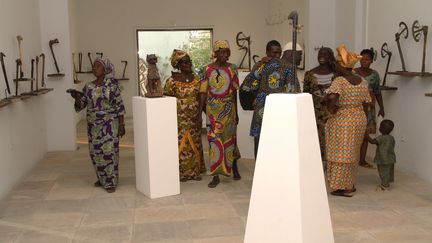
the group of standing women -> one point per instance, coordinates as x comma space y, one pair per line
345, 112
216, 94
343, 101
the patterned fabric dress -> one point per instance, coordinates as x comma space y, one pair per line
104, 106
375, 89
344, 133
313, 86
189, 132
220, 84
264, 79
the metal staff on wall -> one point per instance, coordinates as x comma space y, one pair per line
293, 16
403, 32
2, 56
417, 32
385, 52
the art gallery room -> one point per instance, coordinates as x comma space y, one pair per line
139, 121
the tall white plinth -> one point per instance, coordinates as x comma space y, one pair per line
156, 146
289, 200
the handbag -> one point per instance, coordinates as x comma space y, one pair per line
247, 97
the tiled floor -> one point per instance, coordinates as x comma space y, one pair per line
57, 203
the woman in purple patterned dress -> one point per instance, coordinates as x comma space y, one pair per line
105, 122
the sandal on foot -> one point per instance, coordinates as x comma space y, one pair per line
197, 178
381, 188
214, 182
97, 184
110, 189
341, 193
366, 165
236, 174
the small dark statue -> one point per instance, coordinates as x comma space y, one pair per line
154, 88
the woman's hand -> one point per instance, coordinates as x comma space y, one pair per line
74, 93
332, 103
333, 109
122, 130
381, 112
371, 128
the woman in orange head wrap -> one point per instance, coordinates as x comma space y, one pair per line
185, 86
347, 100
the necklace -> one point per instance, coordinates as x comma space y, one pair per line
186, 77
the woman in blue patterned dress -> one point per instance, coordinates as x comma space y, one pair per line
105, 122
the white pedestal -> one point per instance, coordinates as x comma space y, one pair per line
244, 141
156, 146
289, 200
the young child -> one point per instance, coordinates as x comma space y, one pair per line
385, 157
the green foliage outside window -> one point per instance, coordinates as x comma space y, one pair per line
199, 48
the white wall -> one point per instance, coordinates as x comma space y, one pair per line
22, 124
350, 23
283, 32
320, 29
73, 43
110, 26
407, 107
60, 118
30, 128
345, 22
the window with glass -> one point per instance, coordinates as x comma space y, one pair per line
196, 42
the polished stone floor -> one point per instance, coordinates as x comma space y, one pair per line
56, 202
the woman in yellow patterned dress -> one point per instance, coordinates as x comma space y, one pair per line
348, 99
184, 85
219, 87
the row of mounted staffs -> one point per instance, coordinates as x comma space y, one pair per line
80, 61
19, 74
417, 32
89, 55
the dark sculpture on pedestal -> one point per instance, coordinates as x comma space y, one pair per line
154, 88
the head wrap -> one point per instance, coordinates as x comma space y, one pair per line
220, 44
346, 58
288, 47
176, 56
108, 66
